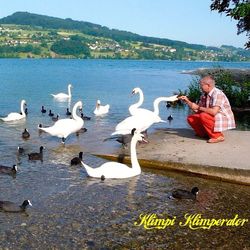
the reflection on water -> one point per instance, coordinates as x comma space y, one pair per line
73, 210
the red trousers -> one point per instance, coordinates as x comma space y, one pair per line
203, 125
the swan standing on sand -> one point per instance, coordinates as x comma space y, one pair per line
63, 95
101, 110
133, 108
118, 170
143, 118
64, 127
15, 116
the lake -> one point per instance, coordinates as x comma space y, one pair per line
71, 210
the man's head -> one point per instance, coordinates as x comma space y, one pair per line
207, 83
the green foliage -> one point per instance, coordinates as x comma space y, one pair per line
70, 47
238, 93
238, 10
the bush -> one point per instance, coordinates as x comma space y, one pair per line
238, 93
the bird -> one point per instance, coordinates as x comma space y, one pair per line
170, 118
63, 95
76, 160
25, 134
82, 130
54, 119
168, 105
133, 108
20, 150
68, 112
37, 156
184, 194
8, 170
118, 170
143, 118
50, 113
43, 110
15, 116
85, 117
64, 127
123, 139
101, 110
8, 206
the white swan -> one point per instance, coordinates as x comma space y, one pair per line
118, 170
15, 116
143, 118
101, 110
63, 95
133, 108
64, 127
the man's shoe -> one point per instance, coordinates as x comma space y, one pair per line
215, 140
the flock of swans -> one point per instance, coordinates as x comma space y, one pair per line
139, 121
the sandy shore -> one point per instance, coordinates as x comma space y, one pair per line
180, 150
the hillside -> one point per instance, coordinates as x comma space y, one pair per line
25, 34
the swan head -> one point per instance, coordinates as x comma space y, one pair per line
138, 136
70, 86
23, 102
98, 103
136, 90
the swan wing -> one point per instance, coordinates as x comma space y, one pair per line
60, 95
64, 127
13, 117
110, 170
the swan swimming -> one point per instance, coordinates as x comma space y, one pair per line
101, 110
15, 116
64, 127
143, 118
63, 95
133, 108
118, 170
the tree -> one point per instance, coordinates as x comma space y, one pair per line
238, 10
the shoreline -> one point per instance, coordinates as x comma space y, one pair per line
180, 151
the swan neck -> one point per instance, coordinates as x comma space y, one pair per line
22, 109
75, 116
69, 91
156, 104
134, 160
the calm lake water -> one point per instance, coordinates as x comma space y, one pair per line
72, 211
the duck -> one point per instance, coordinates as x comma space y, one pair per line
25, 134
123, 139
76, 160
133, 108
15, 116
143, 118
101, 110
170, 118
85, 117
8, 206
50, 113
64, 127
8, 170
68, 112
116, 170
37, 156
43, 110
54, 119
81, 131
184, 194
20, 150
63, 95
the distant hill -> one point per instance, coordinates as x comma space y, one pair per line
148, 47
26, 18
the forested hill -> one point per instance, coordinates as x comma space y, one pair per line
25, 18
122, 44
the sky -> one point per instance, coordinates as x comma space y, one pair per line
189, 21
